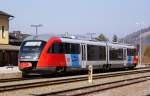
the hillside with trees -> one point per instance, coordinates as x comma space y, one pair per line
134, 39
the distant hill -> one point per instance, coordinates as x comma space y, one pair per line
134, 37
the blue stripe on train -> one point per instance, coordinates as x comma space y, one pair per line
129, 59
75, 60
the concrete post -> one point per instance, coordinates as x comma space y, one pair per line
90, 73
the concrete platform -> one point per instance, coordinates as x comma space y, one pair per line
141, 66
8, 72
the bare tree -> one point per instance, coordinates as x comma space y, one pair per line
101, 37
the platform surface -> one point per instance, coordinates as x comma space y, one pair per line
8, 72
140, 66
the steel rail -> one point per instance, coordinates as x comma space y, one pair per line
30, 78
67, 80
96, 88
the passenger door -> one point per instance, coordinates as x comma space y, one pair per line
83, 55
125, 56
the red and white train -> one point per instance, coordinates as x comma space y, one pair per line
63, 54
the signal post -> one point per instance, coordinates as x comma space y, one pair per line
90, 74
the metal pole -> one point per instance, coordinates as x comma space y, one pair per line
66, 34
140, 45
36, 28
140, 61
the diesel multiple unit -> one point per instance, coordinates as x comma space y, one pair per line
63, 54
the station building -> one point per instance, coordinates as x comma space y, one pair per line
8, 53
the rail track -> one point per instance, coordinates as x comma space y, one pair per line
19, 79
38, 76
34, 77
21, 85
41, 77
15, 79
95, 88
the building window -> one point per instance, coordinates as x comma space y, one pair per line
2, 31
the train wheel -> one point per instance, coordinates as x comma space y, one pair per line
106, 67
25, 72
131, 68
60, 69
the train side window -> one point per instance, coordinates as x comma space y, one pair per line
92, 52
115, 54
112, 54
102, 53
120, 54
131, 52
75, 48
71, 48
128, 52
56, 47
95, 52
66, 48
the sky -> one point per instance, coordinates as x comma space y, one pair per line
108, 17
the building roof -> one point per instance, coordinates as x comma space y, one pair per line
9, 47
44, 37
16, 37
5, 14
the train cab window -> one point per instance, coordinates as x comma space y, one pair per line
65, 48
116, 54
95, 52
32, 46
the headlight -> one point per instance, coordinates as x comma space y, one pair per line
35, 57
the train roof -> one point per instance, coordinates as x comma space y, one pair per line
118, 45
40, 37
113, 45
82, 41
47, 37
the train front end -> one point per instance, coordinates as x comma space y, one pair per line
29, 54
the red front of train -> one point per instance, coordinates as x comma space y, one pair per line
36, 54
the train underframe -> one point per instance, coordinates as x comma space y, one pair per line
63, 69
